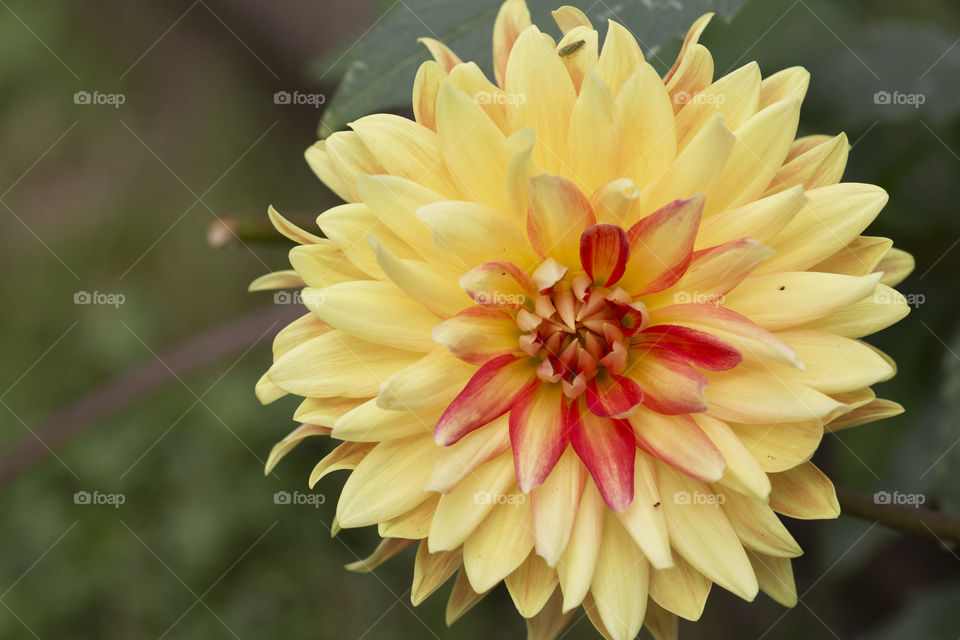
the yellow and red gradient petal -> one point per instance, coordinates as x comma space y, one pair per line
557, 214
538, 433
604, 251
512, 19
661, 246
679, 442
489, 394
607, 447
611, 396
670, 385
699, 348
477, 334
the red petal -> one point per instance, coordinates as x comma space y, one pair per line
661, 246
538, 433
607, 447
670, 385
699, 347
604, 250
610, 395
489, 394
499, 284
680, 442
557, 214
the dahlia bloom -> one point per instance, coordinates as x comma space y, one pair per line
581, 330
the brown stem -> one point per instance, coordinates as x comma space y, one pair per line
915, 520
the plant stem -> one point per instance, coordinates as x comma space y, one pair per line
915, 520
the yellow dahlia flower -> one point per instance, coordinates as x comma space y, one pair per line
581, 330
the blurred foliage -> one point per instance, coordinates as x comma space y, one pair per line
199, 520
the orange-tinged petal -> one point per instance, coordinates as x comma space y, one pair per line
804, 492
489, 394
679, 442
604, 250
478, 334
499, 285
531, 585
558, 213
670, 385
661, 246
431, 570
441, 53
680, 588
457, 461
538, 433
607, 448
512, 19
613, 396
698, 347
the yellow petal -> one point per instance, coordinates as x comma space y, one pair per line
788, 84
778, 447
431, 382
388, 548
754, 397
858, 258
568, 17
775, 576
388, 482
441, 53
290, 230
304, 328
700, 532
896, 266
576, 568
462, 598
649, 142
431, 570
620, 581
831, 219
531, 585
758, 526
512, 19
375, 311
321, 265
594, 126
319, 162
456, 461
286, 279
413, 524
292, 439
346, 456
819, 166
614, 202
348, 226
492, 99
430, 76
536, 73
680, 589
520, 168
350, 158
579, 48
422, 281
872, 313
644, 519
325, 411
549, 623
620, 57
742, 472
762, 143
735, 95
804, 492
694, 74
469, 502
876, 409
554, 507
761, 219
661, 623
473, 147
338, 364
500, 543
367, 422
783, 300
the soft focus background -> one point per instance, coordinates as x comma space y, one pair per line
143, 397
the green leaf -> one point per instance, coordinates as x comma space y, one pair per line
384, 61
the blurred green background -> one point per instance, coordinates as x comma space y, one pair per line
152, 399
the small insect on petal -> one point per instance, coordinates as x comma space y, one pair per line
570, 48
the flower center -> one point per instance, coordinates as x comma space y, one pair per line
577, 329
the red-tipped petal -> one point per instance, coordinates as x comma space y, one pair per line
489, 394
557, 214
698, 347
610, 395
661, 246
538, 433
478, 334
607, 447
604, 250
670, 385
680, 442
499, 284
